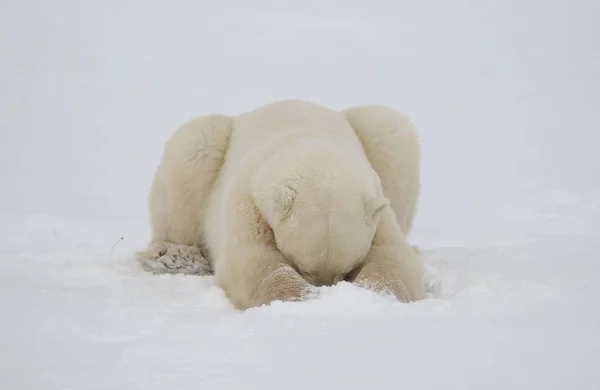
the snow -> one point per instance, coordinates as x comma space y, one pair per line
508, 224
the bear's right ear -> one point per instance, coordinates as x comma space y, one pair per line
374, 206
284, 197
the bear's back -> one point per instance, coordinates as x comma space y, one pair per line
281, 122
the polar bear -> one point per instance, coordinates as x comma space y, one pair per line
286, 198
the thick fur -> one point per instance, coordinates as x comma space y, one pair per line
287, 197
391, 144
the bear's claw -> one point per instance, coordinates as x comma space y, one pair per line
167, 258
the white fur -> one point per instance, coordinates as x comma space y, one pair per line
290, 196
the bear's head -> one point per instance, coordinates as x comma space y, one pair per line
323, 209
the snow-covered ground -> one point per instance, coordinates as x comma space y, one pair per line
505, 95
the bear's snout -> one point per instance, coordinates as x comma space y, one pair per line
323, 279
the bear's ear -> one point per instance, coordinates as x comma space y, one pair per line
283, 199
374, 206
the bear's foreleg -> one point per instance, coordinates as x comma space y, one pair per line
392, 266
255, 275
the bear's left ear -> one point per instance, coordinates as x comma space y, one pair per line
283, 200
374, 206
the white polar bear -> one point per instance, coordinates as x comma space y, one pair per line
288, 197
